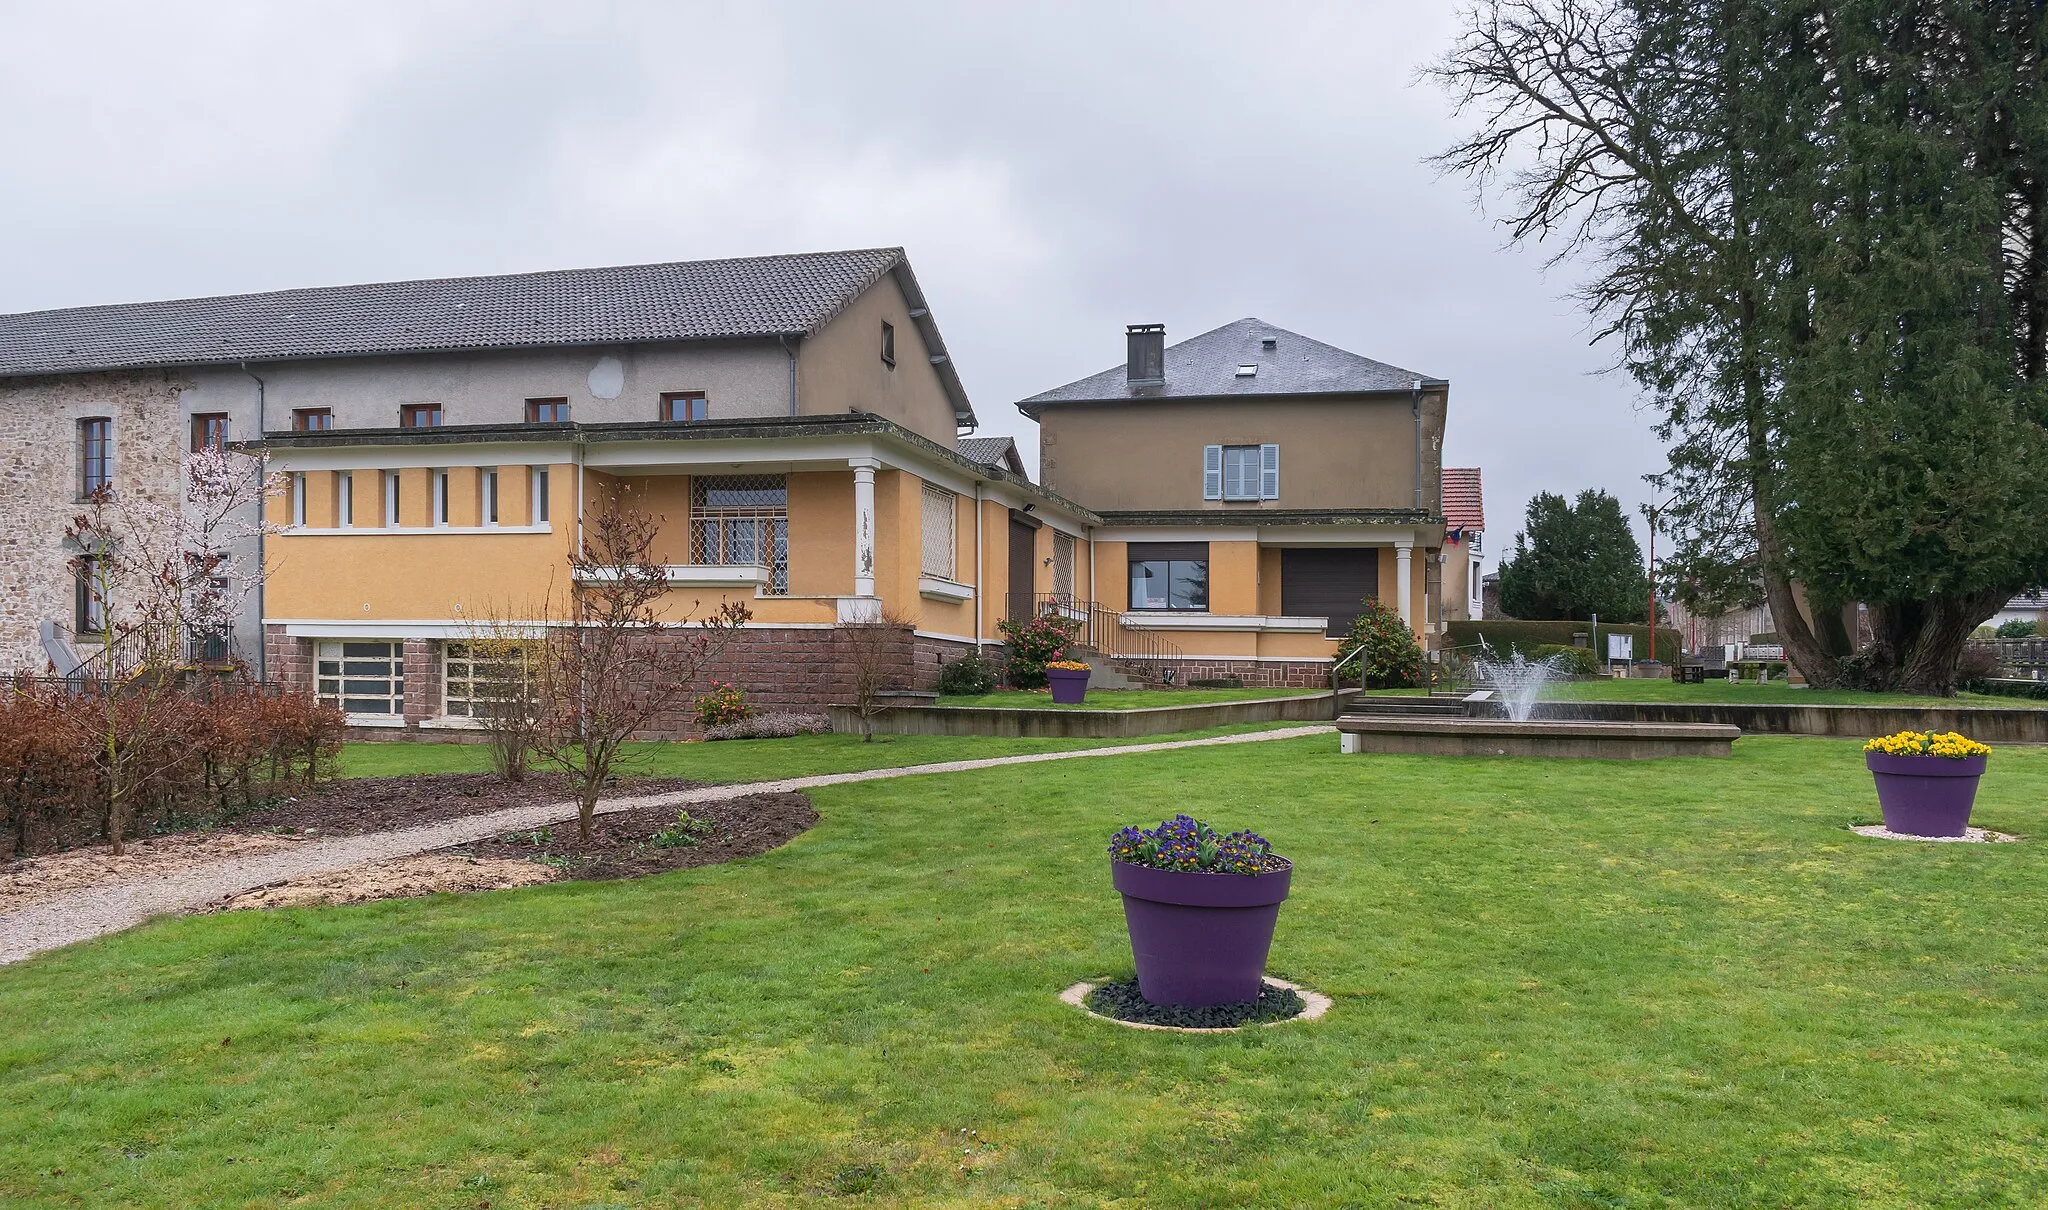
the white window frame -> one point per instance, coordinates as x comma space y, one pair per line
487, 496
440, 492
537, 494
345, 500
940, 557
299, 498
1063, 546
334, 687
391, 499
459, 678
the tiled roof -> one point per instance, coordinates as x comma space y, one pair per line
761, 296
1207, 366
1464, 505
993, 451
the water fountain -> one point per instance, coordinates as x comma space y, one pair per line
1474, 726
1518, 680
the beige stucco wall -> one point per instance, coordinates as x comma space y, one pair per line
841, 368
1339, 452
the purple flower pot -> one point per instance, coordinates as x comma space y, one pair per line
1925, 795
1069, 688
1199, 938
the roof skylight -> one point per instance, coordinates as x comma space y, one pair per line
1247, 371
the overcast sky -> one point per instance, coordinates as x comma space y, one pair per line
1055, 171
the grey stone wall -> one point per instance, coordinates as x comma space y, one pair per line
39, 485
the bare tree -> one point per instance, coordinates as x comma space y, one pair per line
498, 659
873, 649
618, 664
160, 577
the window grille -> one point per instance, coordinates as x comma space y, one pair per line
362, 677
479, 678
941, 509
1063, 566
741, 521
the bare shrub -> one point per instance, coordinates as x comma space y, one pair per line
876, 652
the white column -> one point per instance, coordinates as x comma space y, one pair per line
864, 525
1404, 581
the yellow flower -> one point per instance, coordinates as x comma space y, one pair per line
1948, 744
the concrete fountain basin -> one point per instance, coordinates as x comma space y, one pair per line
1534, 737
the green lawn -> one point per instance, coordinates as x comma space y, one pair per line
730, 761
1123, 699
1665, 690
1557, 983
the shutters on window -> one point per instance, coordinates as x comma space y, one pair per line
1269, 472
1212, 472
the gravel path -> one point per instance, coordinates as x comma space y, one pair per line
93, 913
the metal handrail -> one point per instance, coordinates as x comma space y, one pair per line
1103, 629
1336, 678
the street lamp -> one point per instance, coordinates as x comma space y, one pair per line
1650, 512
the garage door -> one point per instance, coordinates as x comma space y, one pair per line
1328, 583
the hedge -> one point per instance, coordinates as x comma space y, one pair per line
1506, 635
2007, 687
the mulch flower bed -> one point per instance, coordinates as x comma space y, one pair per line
353, 806
1122, 1001
651, 840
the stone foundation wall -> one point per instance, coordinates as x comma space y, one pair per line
781, 668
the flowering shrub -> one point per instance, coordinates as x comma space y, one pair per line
1068, 666
1034, 643
1186, 843
1392, 659
726, 703
773, 725
1951, 744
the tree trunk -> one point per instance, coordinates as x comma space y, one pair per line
1918, 644
586, 807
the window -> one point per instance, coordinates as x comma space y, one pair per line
1170, 575
211, 646
888, 344
298, 497
391, 499
362, 677
540, 495
344, 499
487, 495
1063, 566
312, 420
209, 431
685, 405
440, 497
547, 411
420, 416
941, 508
1241, 472
478, 677
742, 520
91, 616
95, 455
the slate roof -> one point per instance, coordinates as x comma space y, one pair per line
1206, 367
759, 296
993, 451
1464, 505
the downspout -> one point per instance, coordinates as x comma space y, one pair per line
262, 568
791, 354
1415, 402
980, 583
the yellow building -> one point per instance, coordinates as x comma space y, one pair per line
796, 427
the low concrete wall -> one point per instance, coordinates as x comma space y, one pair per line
1989, 724
1089, 724
1499, 737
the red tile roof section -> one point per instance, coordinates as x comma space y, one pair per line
1464, 506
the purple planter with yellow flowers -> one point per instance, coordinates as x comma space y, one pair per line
1200, 938
1926, 795
1069, 686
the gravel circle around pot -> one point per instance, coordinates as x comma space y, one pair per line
1878, 831
1120, 1002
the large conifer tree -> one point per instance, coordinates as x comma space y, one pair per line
1821, 239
